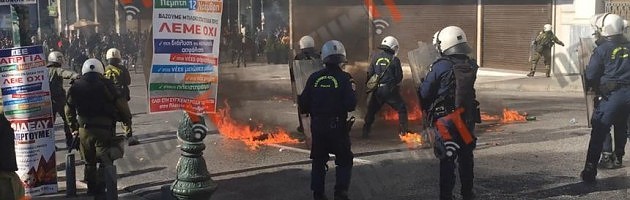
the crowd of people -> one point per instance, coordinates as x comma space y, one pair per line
78, 48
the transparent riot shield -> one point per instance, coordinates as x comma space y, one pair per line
420, 61
300, 71
585, 51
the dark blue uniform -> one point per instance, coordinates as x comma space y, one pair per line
437, 86
388, 90
608, 73
328, 97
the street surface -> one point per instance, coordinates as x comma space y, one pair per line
538, 159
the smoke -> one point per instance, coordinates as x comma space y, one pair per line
276, 16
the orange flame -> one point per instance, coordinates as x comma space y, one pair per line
412, 140
486, 117
413, 113
253, 137
512, 116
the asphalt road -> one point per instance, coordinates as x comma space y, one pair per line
538, 159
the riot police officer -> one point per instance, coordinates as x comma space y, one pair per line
448, 98
56, 75
328, 97
543, 43
93, 107
386, 65
119, 74
307, 49
307, 52
608, 74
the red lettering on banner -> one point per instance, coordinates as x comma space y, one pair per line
188, 28
13, 80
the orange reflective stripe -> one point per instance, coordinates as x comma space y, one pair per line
457, 120
443, 130
461, 126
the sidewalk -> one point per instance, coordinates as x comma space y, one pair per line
499, 79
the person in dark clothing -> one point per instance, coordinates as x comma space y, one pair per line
448, 98
608, 74
328, 97
386, 65
10, 183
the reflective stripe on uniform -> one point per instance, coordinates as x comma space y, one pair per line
457, 120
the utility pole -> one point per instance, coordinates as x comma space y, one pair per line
39, 23
117, 16
59, 20
238, 3
95, 16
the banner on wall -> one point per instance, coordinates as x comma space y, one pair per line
186, 35
27, 105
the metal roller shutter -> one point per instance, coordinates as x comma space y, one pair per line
508, 29
420, 21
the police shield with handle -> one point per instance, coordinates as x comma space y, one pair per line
383, 85
119, 74
448, 98
608, 74
306, 62
56, 75
328, 96
93, 107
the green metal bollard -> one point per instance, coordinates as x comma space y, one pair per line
193, 179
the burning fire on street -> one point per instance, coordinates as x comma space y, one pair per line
508, 116
413, 113
412, 140
253, 137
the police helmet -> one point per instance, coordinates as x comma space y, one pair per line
56, 57
113, 53
451, 40
608, 24
625, 25
333, 52
92, 65
391, 43
547, 27
307, 42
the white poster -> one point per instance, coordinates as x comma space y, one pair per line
185, 68
27, 105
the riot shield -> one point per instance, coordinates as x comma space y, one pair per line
585, 51
420, 61
300, 71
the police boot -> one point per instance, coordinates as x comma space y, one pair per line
132, 140
531, 74
589, 173
606, 162
548, 71
617, 161
341, 195
319, 196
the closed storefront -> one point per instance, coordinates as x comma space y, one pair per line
508, 29
421, 19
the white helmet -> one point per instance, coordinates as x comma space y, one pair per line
547, 27
625, 25
92, 65
391, 43
113, 53
333, 47
307, 42
56, 57
451, 40
609, 24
